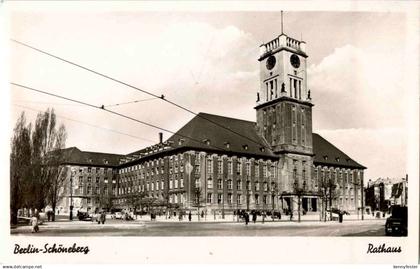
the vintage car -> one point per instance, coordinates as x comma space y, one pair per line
396, 224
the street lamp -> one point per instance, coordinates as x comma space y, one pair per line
299, 192
274, 191
71, 194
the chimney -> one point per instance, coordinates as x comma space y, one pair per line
160, 137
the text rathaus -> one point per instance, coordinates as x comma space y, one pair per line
217, 165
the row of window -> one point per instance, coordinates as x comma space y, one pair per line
239, 198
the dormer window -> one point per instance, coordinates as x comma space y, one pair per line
181, 141
206, 141
245, 147
227, 145
326, 157
262, 149
105, 161
337, 159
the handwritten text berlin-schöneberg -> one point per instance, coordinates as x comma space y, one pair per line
54, 248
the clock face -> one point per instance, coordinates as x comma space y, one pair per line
295, 61
271, 62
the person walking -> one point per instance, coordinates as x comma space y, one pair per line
254, 217
246, 216
103, 217
189, 216
34, 222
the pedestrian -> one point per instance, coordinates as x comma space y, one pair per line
103, 217
189, 216
246, 218
34, 222
263, 217
254, 217
291, 215
202, 214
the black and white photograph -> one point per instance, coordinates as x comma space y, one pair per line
143, 123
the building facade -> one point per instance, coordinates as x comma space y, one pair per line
217, 165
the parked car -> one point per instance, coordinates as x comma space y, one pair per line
84, 216
397, 223
117, 215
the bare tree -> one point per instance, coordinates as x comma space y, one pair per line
20, 163
36, 174
198, 199
327, 192
135, 200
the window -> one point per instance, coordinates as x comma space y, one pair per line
181, 182
89, 179
162, 185
239, 168
248, 185
265, 170
239, 185
157, 185
257, 199
209, 198
97, 191
257, 170
219, 184
265, 186
248, 169
89, 169
219, 167
176, 183
197, 182
210, 183
97, 180
229, 184
229, 198
197, 168
238, 199
170, 184
219, 198
264, 199
230, 167
257, 186
209, 166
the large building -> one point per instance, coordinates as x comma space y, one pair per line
217, 164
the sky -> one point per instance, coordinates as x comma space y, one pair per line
207, 62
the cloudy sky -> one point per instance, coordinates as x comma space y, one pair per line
207, 61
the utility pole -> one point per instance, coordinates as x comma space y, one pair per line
71, 194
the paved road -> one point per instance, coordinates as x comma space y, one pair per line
147, 228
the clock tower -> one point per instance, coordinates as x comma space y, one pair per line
284, 109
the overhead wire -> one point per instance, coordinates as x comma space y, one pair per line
162, 97
88, 124
113, 112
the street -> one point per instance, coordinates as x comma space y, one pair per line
184, 228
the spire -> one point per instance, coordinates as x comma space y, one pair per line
282, 22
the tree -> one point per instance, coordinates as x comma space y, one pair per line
198, 199
47, 155
20, 163
327, 192
36, 174
135, 200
